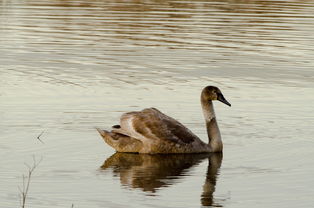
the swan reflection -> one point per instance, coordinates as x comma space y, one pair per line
152, 172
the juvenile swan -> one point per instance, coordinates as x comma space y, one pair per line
151, 131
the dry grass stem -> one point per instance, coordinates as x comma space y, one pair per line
38, 137
26, 181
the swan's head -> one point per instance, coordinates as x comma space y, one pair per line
213, 93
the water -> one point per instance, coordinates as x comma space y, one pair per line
68, 66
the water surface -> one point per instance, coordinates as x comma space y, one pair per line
68, 66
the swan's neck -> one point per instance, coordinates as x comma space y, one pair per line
214, 137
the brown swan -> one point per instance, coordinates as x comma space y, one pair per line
151, 131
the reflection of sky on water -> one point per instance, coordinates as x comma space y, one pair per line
251, 38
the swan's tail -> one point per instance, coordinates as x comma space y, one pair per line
106, 135
103, 133
120, 142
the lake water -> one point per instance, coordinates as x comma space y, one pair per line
68, 66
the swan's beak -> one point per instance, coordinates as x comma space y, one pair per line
222, 99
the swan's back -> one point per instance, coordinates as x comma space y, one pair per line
151, 126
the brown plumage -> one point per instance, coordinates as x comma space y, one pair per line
151, 131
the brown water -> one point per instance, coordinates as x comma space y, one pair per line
68, 66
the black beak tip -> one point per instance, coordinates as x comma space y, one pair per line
222, 99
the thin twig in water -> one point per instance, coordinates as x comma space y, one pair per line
26, 181
38, 137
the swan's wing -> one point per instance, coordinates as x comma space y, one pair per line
151, 125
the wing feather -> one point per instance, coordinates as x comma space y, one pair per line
151, 124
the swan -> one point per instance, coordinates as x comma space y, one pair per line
151, 131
